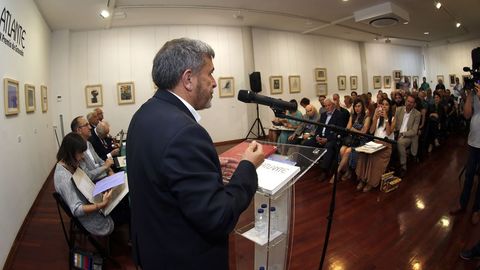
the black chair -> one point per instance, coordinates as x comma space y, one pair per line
77, 230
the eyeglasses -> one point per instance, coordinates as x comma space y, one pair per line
85, 125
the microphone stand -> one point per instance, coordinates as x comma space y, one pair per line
340, 132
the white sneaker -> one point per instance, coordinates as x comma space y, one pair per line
437, 144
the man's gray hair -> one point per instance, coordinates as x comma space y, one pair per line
102, 128
90, 115
175, 57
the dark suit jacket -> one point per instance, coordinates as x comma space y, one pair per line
338, 119
101, 150
182, 213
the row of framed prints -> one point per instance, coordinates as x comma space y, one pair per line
387, 81
11, 97
125, 94
226, 85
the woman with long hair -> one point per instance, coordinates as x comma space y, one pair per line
370, 167
290, 123
68, 158
359, 122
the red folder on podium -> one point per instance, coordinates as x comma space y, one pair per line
238, 150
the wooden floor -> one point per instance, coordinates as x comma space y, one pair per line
409, 228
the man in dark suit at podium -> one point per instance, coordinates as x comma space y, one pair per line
182, 213
327, 138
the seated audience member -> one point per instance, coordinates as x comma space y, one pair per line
92, 164
348, 103
418, 143
68, 158
99, 114
304, 102
290, 123
359, 122
424, 85
399, 101
345, 112
370, 167
354, 95
102, 143
305, 130
436, 117
407, 119
440, 85
321, 99
326, 137
93, 119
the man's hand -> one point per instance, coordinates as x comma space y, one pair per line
321, 140
228, 165
254, 154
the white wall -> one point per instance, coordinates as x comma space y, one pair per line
285, 54
24, 165
449, 59
126, 54
382, 59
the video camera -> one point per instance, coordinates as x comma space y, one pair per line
474, 76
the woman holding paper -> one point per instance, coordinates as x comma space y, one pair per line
68, 158
370, 167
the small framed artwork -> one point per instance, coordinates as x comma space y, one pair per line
320, 74
294, 84
321, 89
30, 98
387, 81
276, 85
377, 82
452, 79
353, 82
226, 87
44, 98
11, 96
440, 77
415, 80
397, 75
342, 82
125, 93
94, 95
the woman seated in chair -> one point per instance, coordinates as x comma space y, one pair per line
290, 123
68, 157
370, 167
359, 122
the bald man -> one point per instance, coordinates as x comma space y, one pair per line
305, 130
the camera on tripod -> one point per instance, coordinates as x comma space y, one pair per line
474, 76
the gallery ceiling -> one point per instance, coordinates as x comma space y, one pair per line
331, 18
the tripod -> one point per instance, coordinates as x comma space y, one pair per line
259, 128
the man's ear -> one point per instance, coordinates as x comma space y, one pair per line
187, 79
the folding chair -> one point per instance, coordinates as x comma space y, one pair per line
77, 229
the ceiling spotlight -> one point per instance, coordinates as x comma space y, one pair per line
458, 24
104, 14
426, 33
406, 22
438, 5
345, 0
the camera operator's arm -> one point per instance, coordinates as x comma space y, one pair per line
468, 107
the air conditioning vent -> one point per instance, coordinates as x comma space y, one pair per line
382, 15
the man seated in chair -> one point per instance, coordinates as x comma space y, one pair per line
92, 164
327, 138
305, 130
102, 143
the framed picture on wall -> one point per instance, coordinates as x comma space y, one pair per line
44, 98
415, 81
353, 82
342, 82
294, 84
377, 82
276, 85
226, 87
452, 79
440, 77
387, 81
94, 95
11, 96
30, 98
126, 93
321, 89
320, 74
397, 75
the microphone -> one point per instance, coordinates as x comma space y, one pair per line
467, 69
248, 96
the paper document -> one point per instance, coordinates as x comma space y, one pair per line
273, 175
108, 183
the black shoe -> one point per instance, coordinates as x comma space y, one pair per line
469, 255
401, 173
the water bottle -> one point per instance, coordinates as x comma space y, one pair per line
273, 220
260, 223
